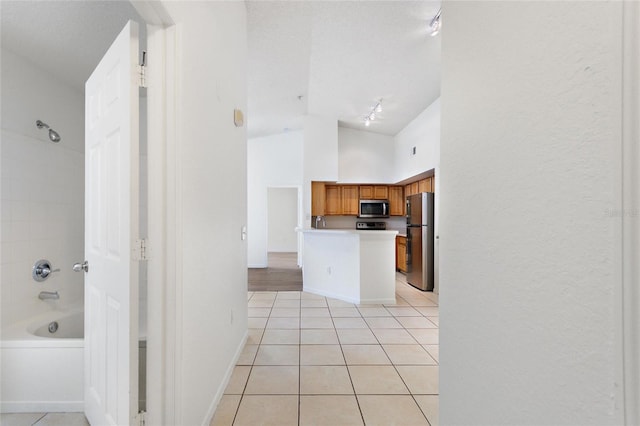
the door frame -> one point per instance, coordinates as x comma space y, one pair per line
163, 156
299, 219
628, 297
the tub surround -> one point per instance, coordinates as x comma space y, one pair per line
350, 265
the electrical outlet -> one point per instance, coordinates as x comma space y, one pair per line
413, 151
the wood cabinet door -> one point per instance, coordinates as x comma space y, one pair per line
396, 201
401, 254
318, 198
425, 185
381, 192
333, 205
350, 200
366, 192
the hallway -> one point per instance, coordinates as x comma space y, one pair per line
316, 360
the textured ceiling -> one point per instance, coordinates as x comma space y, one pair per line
341, 57
67, 38
331, 58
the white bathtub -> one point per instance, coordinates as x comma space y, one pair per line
43, 371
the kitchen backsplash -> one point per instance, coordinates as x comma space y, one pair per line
398, 223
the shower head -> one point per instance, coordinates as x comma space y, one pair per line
53, 135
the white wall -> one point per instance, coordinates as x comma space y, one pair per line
283, 220
42, 193
320, 155
212, 268
365, 157
530, 261
423, 132
273, 161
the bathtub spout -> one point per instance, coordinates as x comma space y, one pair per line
48, 295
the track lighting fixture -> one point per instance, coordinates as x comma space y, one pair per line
372, 114
434, 26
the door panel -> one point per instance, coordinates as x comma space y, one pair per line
111, 218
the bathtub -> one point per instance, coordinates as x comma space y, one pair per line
42, 371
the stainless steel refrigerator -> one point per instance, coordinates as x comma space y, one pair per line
420, 240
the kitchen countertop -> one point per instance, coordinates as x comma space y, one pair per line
348, 231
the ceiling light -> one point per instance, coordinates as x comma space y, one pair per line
372, 114
435, 25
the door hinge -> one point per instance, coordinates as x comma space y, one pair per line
141, 418
140, 250
142, 81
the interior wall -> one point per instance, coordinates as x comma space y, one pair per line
282, 220
423, 133
365, 157
272, 161
530, 251
42, 191
211, 296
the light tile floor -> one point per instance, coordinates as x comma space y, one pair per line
43, 419
315, 360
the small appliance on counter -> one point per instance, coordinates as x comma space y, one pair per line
371, 226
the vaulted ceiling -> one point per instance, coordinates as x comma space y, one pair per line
331, 58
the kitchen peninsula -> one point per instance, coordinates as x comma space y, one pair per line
350, 265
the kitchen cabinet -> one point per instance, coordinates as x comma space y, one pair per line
374, 192
401, 253
333, 202
425, 185
411, 189
318, 198
396, 201
349, 198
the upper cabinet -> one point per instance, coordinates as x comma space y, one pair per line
341, 200
396, 201
374, 192
350, 203
318, 198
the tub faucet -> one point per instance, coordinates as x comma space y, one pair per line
48, 295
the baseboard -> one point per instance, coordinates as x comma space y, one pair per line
41, 406
329, 294
258, 265
216, 400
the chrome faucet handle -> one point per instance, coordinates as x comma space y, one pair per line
42, 270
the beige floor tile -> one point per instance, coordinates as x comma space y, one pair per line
403, 311
435, 320
421, 379
260, 303
275, 336
420, 301
268, 410
265, 294
388, 410
313, 303
425, 336
374, 312
434, 351
259, 312
329, 410
256, 322
321, 355
356, 336
383, 322
226, 410
430, 406
335, 303
429, 311
247, 355
265, 380
399, 302
20, 419
287, 303
278, 355
316, 323
416, 322
254, 335
365, 355
350, 323
289, 295
310, 296
285, 312
63, 419
376, 380
315, 312
393, 336
249, 295
289, 323
238, 380
344, 312
324, 380
318, 337
408, 355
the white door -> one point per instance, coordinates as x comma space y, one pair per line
111, 229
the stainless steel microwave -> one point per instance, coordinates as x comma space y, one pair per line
373, 208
